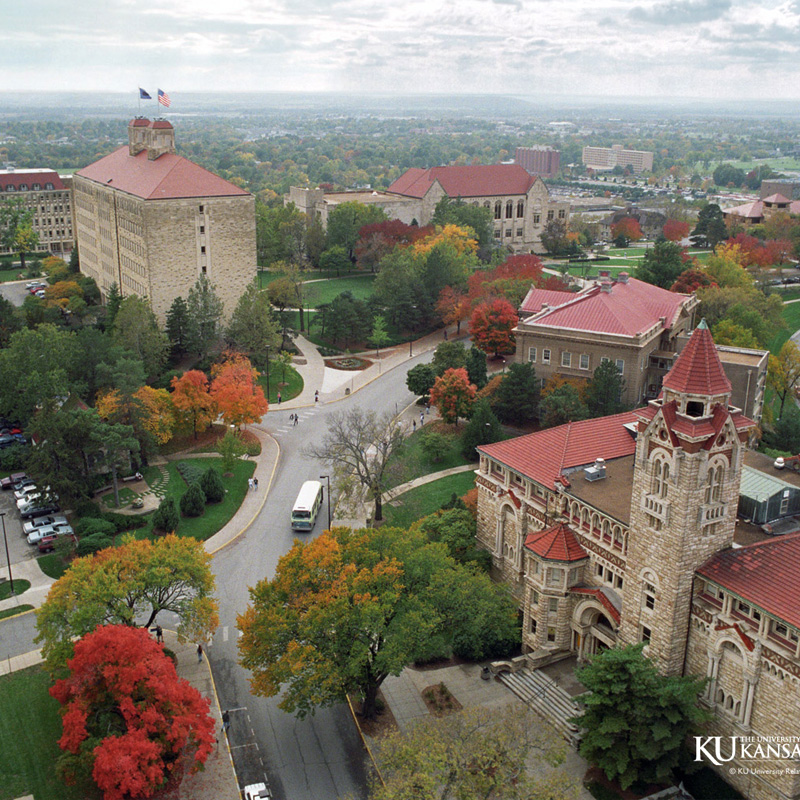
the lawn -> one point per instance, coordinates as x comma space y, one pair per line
53, 565
9, 275
289, 388
791, 315
12, 612
426, 499
30, 727
411, 462
324, 291
20, 586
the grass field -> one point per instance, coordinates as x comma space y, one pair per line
324, 291
20, 586
426, 499
11, 612
9, 275
30, 727
289, 388
411, 462
791, 315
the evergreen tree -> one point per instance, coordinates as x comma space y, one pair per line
483, 428
562, 405
662, 264
178, 326
113, 300
193, 502
420, 379
476, 367
449, 355
166, 517
74, 261
710, 228
205, 312
636, 721
212, 486
516, 400
603, 393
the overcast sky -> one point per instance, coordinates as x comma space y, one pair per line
689, 48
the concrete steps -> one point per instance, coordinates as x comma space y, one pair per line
546, 697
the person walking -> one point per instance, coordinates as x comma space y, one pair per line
255, 483
159, 634
296, 419
421, 418
226, 721
250, 484
316, 395
199, 653
414, 426
279, 398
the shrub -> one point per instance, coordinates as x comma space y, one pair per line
166, 517
193, 503
87, 508
126, 522
252, 447
91, 526
93, 544
212, 486
191, 473
434, 445
12, 459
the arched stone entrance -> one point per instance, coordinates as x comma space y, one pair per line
592, 630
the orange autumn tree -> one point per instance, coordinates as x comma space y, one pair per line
156, 413
453, 395
492, 326
452, 306
674, 230
628, 229
127, 716
460, 238
235, 391
192, 400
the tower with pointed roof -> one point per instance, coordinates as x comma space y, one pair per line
689, 452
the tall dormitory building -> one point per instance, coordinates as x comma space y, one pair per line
153, 222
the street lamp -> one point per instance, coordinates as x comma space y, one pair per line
328, 479
8, 558
410, 352
266, 347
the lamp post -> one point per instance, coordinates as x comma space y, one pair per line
328, 479
267, 349
410, 352
8, 558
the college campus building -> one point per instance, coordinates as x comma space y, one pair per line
623, 529
153, 222
520, 202
539, 160
46, 194
758, 211
605, 158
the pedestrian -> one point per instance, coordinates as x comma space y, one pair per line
250, 484
296, 419
421, 418
414, 425
226, 721
279, 398
445, 334
427, 408
255, 483
291, 417
159, 634
316, 396
200, 654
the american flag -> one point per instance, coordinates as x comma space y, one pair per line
163, 98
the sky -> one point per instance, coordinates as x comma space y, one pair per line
710, 49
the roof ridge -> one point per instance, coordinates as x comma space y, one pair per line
783, 538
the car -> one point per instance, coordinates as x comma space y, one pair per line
34, 524
8, 439
32, 284
257, 791
13, 481
49, 530
25, 491
48, 544
41, 293
38, 508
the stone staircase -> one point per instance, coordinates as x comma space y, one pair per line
545, 696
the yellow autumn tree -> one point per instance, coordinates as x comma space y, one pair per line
460, 238
156, 412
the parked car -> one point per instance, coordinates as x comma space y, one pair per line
257, 791
43, 522
8, 439
37, 286
48, 544
49, 530
14, 481
25, 491
38, 508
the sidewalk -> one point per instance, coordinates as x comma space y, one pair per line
217, 781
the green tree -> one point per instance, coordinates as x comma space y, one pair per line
636, 721
728, 175
346, 220
783, 372
231, 448
335, 258
727, 332
603, 393
253, 328
16, 228
379, 336
449, 355
205, 313
516, 401
710, 229
11, 320
113, 299
662, 264
420, 378
562, 405
136, 329
479, 220
784, 433
167, 516
555, 237
347, 320
434, 445
178, 326
476, 367
212, 486
483, 428
193, 501
280, 233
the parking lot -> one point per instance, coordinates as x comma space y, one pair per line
14, 291
18, 548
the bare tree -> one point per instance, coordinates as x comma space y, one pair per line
358, 446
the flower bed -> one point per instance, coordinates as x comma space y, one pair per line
347, 363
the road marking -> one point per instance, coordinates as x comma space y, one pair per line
240, 708
225, 633
249, 744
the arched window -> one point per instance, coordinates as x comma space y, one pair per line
660, 478
498, 210
509, 209
716, 475
520, 208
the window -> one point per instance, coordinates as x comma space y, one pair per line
554, 576
202, 229
48, 186
584, 361
519, 232
646, 634
537, 219
566, 359
552, 605
498, 210
551, 634
508, 233
497, 233
621, 365
203, 249
201, 208
660, 478
532, 354
714, 485
520, 208
533, 626
535, 598
23, 187
649, 596
509, 209
550, 215
562, 214
204, 269
545, 356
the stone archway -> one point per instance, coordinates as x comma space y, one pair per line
592, 630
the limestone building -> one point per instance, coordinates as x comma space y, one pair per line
605, 158
623, 529
153, 222
45, 193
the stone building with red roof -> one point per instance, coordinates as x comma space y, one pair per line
520, 202
623, 529
47, 196
758, 211
153, 222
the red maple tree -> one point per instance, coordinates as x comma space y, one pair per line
492, 324
512, 280
674, 230
191, 397
627, 227
452, 306
453, 395
123, 692
691, 280
234, 390
377, 240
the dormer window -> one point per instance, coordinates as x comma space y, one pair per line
695, 408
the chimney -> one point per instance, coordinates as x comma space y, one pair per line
160, 139
137, 135
606, 284
604, 273
622, 277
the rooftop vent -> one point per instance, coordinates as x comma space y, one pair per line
597, 471
606, 285
622, 277
779, 463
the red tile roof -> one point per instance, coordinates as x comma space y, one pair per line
698, 370
537, 298
17, 177
777, 198
599, 593
556, 544
542, 456
169, 176
627, 310
765, 573
465, 181
755, 210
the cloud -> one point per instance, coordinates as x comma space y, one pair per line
681, 12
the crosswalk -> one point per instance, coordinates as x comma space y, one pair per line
287, 424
